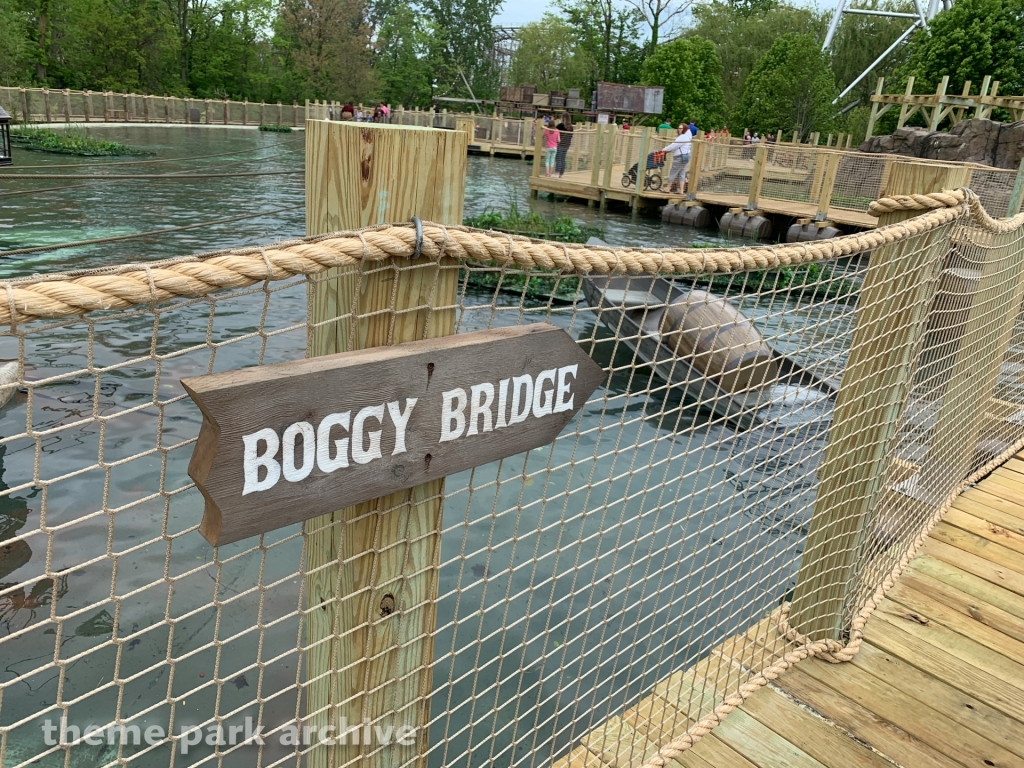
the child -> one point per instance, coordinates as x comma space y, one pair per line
550, 146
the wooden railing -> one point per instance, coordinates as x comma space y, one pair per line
936, 107
43, 105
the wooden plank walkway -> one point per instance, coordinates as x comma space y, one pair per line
939, 680
577, 184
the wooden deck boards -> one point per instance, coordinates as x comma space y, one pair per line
939, 680
578, 184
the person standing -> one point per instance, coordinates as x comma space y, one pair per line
564, 142
679, 150
693, 128
550, 146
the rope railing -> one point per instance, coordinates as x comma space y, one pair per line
777, 429
200, 275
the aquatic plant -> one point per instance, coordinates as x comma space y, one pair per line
276, 128
541, 285
68, 142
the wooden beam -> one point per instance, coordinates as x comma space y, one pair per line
757, 175
875, 107
697, 150
641, 165
937, 115
609, 156
1018, 192
595, 160
905, 111
892, 312
371, 570
828, 183
538, 144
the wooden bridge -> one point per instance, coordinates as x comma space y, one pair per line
938, 681
805, 182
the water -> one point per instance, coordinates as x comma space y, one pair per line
573, 576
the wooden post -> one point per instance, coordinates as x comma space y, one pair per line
892, 312
127, 117
368, 663
87, 105
227, 111
641, 166
849, 140
875, 106
145, 106
279, 113
609, 156
757, 175
24, 103
828, 183
67, 106
981, 110
167, 110
1018, 192
905, 106
698, 148
595, 161
940, 93
829, 142
538, 145
262, 105
46, 104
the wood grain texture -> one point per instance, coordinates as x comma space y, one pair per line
892, 311
359, 175
414, 380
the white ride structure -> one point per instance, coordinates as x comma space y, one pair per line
918, 20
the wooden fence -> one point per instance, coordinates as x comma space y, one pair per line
43, 105
936, 107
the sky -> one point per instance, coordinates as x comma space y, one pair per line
515, 13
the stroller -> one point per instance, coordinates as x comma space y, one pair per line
652, 179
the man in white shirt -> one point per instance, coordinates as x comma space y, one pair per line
679, 150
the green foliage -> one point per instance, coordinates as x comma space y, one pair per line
790, 88
744, 32
461, 43
549, 56
973, 39
607, 35
403, 67
691, 72
276, 128
533, 224
68, 142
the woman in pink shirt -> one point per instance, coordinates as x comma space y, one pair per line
550, 146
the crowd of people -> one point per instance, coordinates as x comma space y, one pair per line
380, 114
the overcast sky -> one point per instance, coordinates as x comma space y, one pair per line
515, 13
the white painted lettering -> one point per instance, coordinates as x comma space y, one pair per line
292, 473
544, 399
323, 442
401, 420
453, 417
563, 397
361, 455
522, 395
502, 403
481, 397
253, 460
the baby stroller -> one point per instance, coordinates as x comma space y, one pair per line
652, 180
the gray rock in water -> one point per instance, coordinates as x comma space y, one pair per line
8, 382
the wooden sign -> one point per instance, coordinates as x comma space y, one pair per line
283, 443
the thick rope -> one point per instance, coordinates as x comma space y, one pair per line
197, 276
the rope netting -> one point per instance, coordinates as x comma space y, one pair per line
777, 428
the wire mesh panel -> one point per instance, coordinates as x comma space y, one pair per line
674, 512
861, 179
792, 173
994, 188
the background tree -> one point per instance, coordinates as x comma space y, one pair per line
402, 66
790, 88
549, 55
608, 35
973, 39
661, 16
327, 47
742, 34
691, 72
463, 39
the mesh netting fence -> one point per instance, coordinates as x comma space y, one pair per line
770, 420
